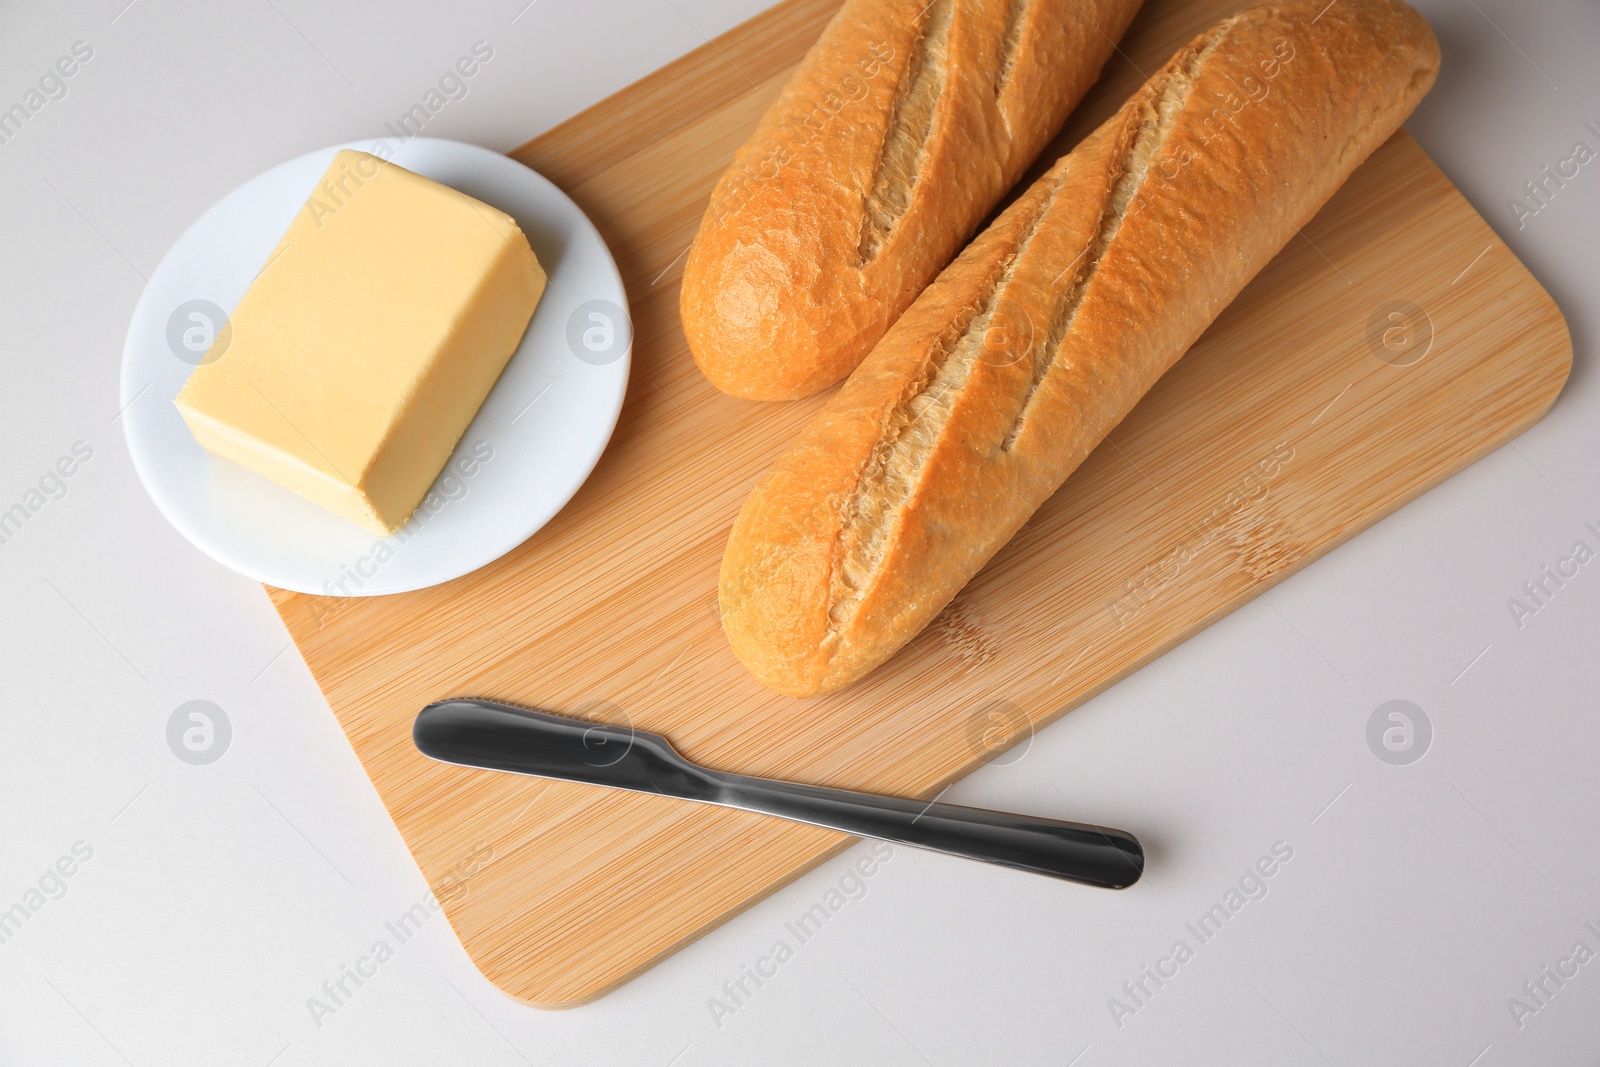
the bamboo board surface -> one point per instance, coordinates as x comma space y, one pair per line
1280, 435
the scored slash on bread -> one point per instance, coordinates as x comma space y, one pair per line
898, 133
1028, 349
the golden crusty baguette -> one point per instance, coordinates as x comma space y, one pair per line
900, 130
1044, 333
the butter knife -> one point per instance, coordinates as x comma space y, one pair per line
502, 737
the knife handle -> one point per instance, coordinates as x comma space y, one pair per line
1092, 855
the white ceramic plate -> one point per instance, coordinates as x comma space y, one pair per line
534, 441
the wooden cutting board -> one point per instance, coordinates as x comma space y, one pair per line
1303, 416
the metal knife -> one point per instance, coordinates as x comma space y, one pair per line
502, 737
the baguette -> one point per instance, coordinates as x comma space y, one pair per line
898, 133
1023, 354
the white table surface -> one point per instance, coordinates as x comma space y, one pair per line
217, 899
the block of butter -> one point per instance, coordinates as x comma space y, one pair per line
360, 353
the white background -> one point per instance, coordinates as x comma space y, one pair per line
219, 898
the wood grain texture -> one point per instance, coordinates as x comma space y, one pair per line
1280, 435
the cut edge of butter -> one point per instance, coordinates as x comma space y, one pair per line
344, 498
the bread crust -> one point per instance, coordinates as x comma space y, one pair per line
1029, 348
898, 133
